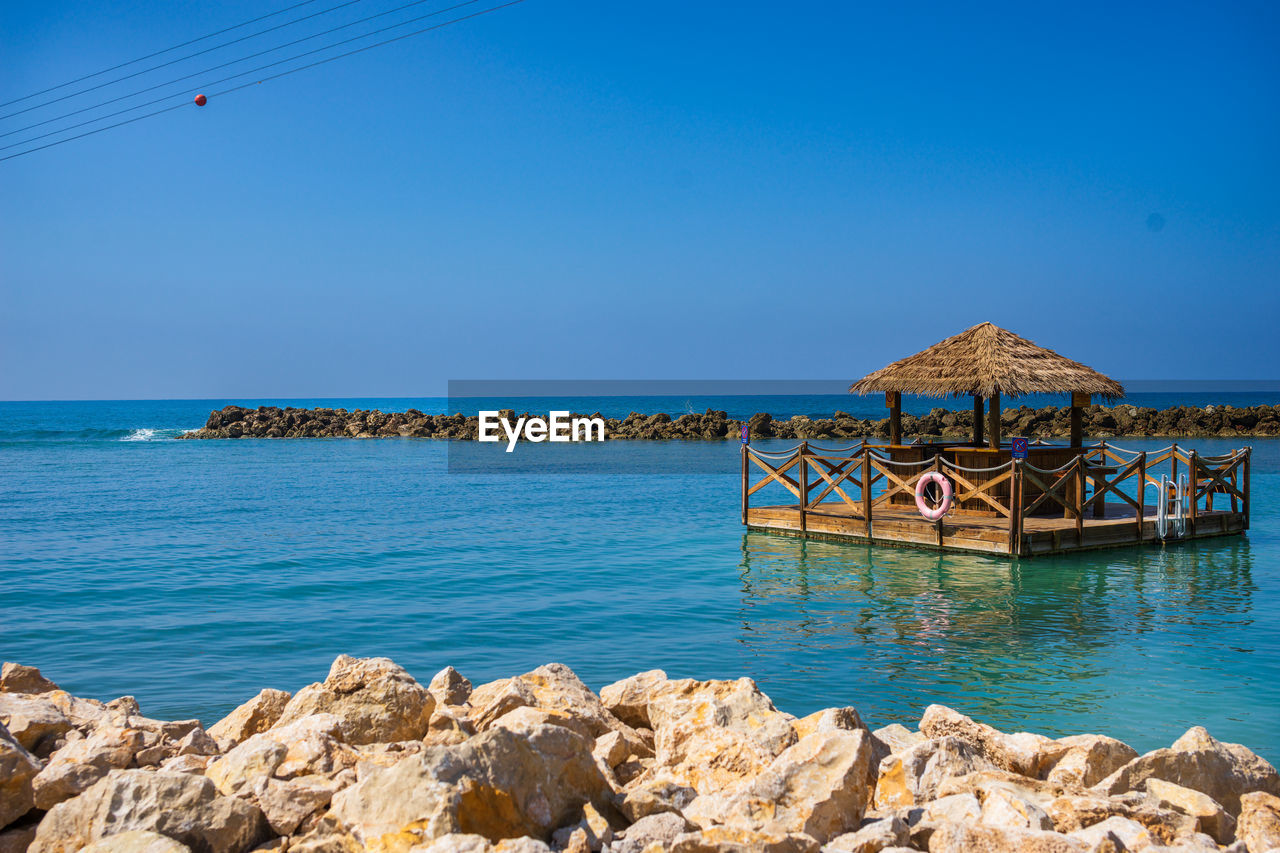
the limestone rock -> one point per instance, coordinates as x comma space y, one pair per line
1072, 812
1003, 808
316, 745
18, 769
953, 808
85, 714
816, 787
187, 763
449, 687
456, 842
197, 742
173, 730
525, 717
376, 700
898, 737
724, 839
256, 758
253, 717
1197, 842
1212, 817
913, 775
983, 783
829, 720
1123, 834
16, 678
392, 809
78, 765
180, 806
137, 841
660, 829
1196, 760
923, 820
286, 803
554, 687
628, 699
34, 721
872, 838
1023, 753
498, 784
1259, 824
524, 844
449, 725
591, 834
16, 839
652, 797
716, 735
490, 702
965, 838
1088, 759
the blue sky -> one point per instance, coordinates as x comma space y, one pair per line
662, 190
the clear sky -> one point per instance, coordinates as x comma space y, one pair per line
567, 189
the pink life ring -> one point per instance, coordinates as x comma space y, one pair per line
944, 506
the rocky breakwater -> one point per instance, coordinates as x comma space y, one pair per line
371, 760
712, 425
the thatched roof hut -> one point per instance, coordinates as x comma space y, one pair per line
987, 361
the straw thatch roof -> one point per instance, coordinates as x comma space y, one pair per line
985, 359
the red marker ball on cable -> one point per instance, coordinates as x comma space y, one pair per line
201, 100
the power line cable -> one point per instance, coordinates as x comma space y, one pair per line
181, 59
327, 32
157, 53
273, 76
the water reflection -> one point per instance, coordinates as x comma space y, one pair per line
1061, 644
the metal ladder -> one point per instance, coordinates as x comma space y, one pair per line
1172, 525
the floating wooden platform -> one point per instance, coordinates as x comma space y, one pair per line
902, 526
1074, 499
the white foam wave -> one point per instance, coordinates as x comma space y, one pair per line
153, 434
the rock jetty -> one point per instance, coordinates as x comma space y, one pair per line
712, 425
371, 760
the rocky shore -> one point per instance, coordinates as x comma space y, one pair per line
371, 760
712, 425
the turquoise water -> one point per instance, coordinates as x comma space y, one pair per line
192, 574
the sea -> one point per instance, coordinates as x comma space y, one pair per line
191, 574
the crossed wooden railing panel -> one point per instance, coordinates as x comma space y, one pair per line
853, 475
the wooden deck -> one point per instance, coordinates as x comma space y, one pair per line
901, 526
1076, 498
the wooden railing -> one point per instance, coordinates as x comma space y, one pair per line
863, 478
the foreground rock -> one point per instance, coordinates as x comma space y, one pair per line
713, 425
180, 806
371, 760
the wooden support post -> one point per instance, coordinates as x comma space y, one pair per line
993, 420
1078, 401
866, 490
804, 485
977, 420
1235, 481
937, 467
1080, 500
1015, 509
746, 498
1248, 459
893, 399
1142, 492
1192, 475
